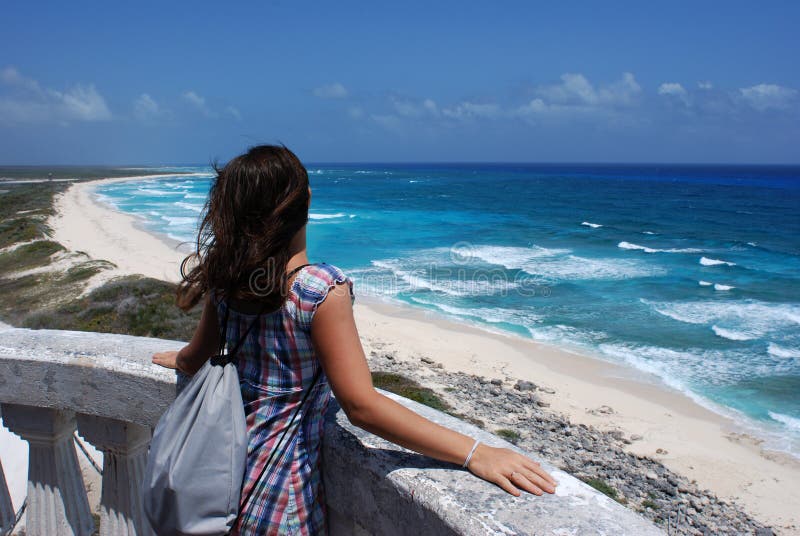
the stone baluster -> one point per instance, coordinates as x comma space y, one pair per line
7, 514
57, 502
124, 447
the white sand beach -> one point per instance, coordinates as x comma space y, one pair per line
83, 224
685, 436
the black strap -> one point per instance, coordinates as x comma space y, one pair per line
278, 446
227, 358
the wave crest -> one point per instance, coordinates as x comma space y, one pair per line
628, 245
783, 352
705, 261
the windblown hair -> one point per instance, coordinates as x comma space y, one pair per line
256, 205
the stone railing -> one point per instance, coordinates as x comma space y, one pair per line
54, 382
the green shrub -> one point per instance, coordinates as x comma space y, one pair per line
29, 255
509, 435
408, 388
647, 503
130, 305
602, 486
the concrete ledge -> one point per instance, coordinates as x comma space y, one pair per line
372, 485
376, 487
94, 373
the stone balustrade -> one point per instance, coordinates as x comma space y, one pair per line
104, 386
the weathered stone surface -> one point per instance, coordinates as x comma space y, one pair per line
57, 502
393, 491
7, 514
124, 446
94, 373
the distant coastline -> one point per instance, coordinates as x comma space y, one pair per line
697, 443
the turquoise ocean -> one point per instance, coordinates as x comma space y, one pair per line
689, 274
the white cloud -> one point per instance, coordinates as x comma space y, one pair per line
26, 101
766, 96
576, 90
11, 77
387, 121
536, 106
234, 112
194, 98
413, 108
430, 105
331, 91
472, 110
671, 88
145, 108
84, 103
356, 112
705, 84
197, 101
575, 96
674, 90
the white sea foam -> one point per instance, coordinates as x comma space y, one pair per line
718, 286
783, 352
106, 200
648, 232
180, 220
410, 280
314, 216
628, 245
561, 334
194, 196
732, 334
753, 317
705, 283
414, 281
493, 315
154, 191
188, 206
512, 258
681, 369
652, 360
705, 261
789, 422
559, 264
592, 225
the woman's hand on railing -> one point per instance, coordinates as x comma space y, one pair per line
511, 471
166, 359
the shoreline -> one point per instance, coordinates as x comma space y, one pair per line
693, 440
78, 215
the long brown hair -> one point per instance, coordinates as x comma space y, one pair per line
256, 205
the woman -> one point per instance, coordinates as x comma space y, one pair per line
290, 320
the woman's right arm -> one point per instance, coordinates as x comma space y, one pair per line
339, 349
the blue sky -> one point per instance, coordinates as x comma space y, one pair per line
150, 83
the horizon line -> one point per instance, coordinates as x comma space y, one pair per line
421, 162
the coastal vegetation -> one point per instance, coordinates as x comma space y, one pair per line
45, 286
509, 435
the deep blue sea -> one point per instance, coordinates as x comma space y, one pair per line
689, 273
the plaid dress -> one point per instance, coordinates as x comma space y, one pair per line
276, 365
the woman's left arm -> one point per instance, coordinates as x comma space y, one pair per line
204, 343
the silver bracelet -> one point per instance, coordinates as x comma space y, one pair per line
469, 456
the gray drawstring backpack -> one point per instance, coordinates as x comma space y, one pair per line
193, 478
198, 455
